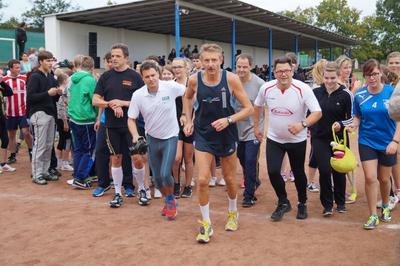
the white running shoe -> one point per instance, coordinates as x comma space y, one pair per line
70, 181
66, 167
213, 181
7, 168
148, 193
157, 194
221, 182
393, 200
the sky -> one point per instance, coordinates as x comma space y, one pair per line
17, 7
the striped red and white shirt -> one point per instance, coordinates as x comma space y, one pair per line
16, 104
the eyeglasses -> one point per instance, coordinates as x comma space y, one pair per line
281, 72
374, 75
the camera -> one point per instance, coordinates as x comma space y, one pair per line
140, 147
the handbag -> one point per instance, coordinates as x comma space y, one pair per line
342, 163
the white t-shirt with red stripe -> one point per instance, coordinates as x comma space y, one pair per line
286, 107
16, 104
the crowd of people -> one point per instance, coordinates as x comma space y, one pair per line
146, 123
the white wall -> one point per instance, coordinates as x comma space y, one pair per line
67, 39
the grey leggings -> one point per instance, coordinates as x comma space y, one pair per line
161, 158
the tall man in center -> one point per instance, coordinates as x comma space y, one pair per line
215, 131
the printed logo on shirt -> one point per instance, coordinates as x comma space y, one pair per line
211, 99
386, 103
281, 111
127, 83
165, 98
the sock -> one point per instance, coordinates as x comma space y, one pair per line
385, 206
205, 212
139, 175
117, 178
232, 204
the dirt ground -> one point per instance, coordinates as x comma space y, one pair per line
59, 225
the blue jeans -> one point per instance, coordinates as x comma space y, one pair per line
248, 153
161, 158
84, 138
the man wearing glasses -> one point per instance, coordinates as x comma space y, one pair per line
287, 100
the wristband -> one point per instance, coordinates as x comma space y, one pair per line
395, 141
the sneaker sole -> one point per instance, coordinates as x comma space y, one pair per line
186, 196
80, 187
115, 205
37, 183
98, 195
141, 203
205, 241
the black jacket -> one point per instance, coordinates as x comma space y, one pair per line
336, 107
37, 98
21, 35
5, 91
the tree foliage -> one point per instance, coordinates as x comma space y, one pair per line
34, 16
388, 20
2, 5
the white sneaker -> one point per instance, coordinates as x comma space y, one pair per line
221, 182
7, 168
67, 167
213, 181
70, 181
148, 193
393, 200
157, 194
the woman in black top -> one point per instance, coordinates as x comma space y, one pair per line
5, 91
336, 104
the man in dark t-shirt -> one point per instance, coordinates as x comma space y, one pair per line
113, 93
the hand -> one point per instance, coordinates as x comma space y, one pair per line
135, 138
60, 91
53, 91
118, 112
352, 127
220, 124
115, 103
336, 126
66, 126
182, 120
188, 129
96, 125
295, 128
391, 148
259, 134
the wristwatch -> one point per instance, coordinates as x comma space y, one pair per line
304, 124
230, 120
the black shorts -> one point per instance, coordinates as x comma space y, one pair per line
184, 138
219, 150
367, 153
117, 138
15, 122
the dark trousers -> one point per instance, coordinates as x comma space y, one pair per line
103, 162
21, 49
323, 154
248, 153
296, 153
84, 138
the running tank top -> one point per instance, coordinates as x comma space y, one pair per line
213, 103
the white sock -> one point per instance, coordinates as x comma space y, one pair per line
232, 204
205, 212
117, 178
139, 175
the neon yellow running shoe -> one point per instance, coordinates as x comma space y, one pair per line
386, 215
205, 233
233, 221
372, 222
351, 198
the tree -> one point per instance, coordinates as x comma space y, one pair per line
111, 3
2, 5
34, 16
388, 18
308, 15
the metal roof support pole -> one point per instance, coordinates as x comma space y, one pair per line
350, 53
270, 53
177, 30
233, 44
296, 45
330, 54
316, 52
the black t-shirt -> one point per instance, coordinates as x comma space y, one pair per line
118, 85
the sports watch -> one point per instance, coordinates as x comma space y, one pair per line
304, 124
230, 120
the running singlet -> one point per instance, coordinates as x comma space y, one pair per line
213, 103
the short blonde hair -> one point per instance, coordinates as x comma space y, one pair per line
210, 47
317, 72
392, 55
341, 59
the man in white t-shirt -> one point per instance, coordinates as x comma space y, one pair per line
287, 101
156, 102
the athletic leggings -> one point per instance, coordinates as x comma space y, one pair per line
161, 158
3, 132
323, 153
296, 153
